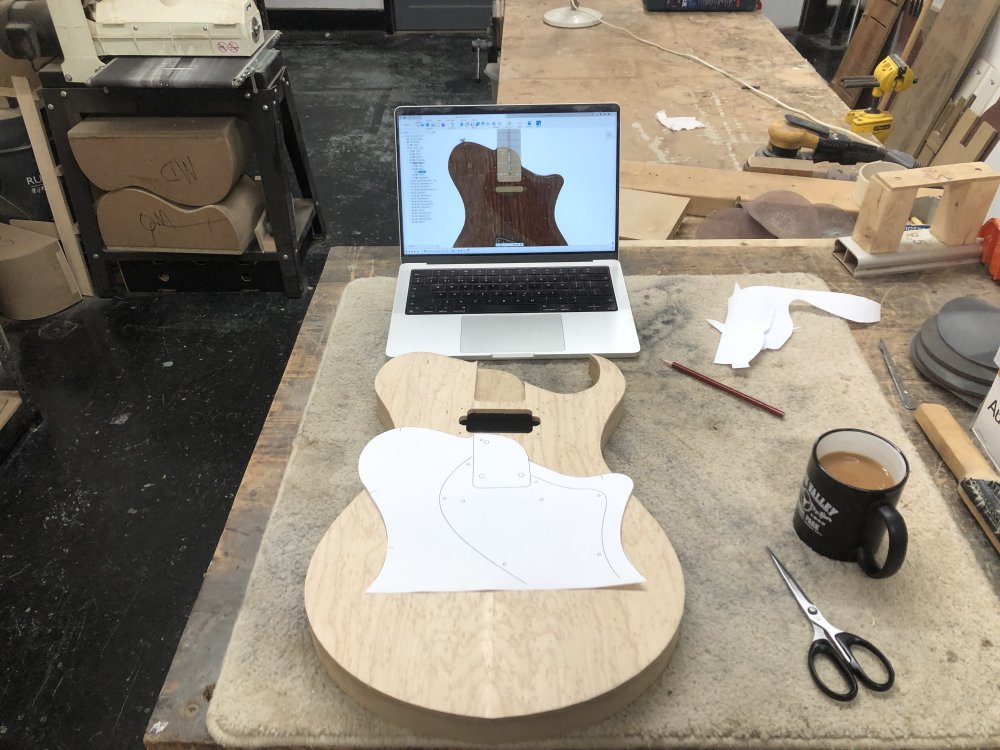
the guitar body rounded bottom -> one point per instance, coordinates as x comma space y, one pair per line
494, 666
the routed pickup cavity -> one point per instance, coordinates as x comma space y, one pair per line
499, 421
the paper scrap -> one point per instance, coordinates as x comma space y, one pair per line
474, 514
758, 317
678, 123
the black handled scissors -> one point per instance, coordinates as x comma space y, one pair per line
835, 646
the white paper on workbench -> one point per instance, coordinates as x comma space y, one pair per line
474, 514
758, 317
678, 123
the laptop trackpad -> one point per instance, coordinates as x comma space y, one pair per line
523, 334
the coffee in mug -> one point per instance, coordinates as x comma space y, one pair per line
856, 470
847, 502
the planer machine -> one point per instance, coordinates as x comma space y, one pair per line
86, 33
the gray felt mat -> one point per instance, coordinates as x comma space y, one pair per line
722, 478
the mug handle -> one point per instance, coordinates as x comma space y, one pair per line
898, 537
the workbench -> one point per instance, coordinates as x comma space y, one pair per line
540, 63
178, 720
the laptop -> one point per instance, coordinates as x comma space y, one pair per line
508, 226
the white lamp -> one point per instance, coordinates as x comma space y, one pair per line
572, 17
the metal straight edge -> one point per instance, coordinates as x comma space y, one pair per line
904, 395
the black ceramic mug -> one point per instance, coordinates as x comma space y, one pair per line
847, 503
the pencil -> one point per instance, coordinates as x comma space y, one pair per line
725, 388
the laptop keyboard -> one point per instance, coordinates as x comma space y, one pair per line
510, 290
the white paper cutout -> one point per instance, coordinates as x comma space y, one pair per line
453, 525
758, 318
678, 123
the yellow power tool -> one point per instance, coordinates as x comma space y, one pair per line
892, 74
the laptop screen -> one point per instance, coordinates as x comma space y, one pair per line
508, 180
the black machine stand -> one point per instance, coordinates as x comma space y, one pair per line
255, 89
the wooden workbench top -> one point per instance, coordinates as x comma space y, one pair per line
540, 63
178, 720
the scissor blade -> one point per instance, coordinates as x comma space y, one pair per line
800, 596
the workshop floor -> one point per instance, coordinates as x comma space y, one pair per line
111, 509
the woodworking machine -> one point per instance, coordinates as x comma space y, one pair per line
82, 32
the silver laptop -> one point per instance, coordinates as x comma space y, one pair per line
508, 225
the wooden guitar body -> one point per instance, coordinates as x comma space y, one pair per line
494, 666
497, 212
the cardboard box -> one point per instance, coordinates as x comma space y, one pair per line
193, 161
35, 279
134, 218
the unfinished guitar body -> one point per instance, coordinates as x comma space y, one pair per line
499, 209
494, 666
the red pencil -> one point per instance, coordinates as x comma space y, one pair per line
725, 388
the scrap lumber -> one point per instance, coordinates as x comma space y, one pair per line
58, 203
9, 403
942, 128
649, 216
712, 189
789, 166
940, 64
968, 192
968, 141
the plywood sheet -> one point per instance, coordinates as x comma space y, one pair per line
643, 215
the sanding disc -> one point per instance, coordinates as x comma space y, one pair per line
963, 388
785, 214
731, 224
833, 220
944, 355
971, 327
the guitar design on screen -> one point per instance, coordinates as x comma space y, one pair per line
494, 665
505, 204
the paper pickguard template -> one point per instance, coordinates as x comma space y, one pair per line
474, 514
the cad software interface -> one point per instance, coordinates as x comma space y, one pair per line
508, 183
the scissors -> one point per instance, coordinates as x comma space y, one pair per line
836, 647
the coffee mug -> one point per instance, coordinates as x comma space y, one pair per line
847, 503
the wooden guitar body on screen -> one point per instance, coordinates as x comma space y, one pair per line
494, 666
505, 204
